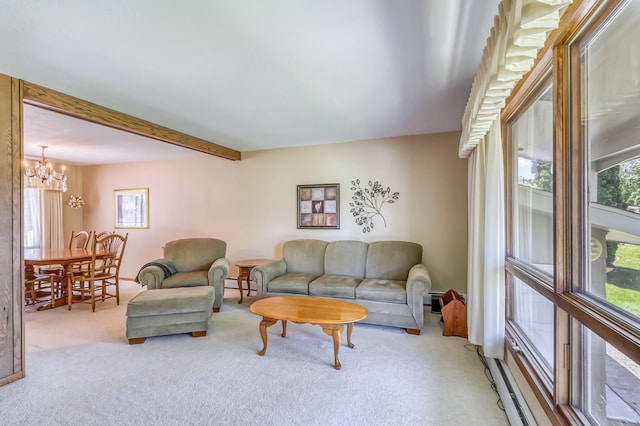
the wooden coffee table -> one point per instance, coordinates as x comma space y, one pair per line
329, 314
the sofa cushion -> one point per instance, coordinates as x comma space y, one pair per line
334, 286
392, 291
193, 254
296, 283
348, 258
305, 256
186, 279
392, 260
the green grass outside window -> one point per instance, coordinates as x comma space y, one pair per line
623, 282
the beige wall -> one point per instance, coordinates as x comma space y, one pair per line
72, 219
251, 204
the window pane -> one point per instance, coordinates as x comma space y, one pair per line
610, 113
532, 138
611, 382
534, 316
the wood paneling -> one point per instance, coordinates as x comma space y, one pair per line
11, 312
59, 102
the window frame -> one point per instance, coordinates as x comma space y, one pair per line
594, 314
519, 346
559, 57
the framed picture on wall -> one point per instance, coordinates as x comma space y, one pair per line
319, 206
131, 208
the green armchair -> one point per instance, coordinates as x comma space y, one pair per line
189, 262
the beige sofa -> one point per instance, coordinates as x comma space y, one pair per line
386, 277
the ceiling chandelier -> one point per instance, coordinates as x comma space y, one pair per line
43, 175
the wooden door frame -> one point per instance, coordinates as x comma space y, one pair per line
11, 253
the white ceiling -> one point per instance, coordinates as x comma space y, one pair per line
248, 74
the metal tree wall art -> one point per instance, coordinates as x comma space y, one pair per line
368, 202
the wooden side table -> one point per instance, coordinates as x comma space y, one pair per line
244, 269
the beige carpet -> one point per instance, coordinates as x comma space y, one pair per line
80, 370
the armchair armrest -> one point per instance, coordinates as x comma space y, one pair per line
418, 284
217, 273
219, 269
263, 274
151, 276
153, 273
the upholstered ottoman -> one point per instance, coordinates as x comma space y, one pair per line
169, 311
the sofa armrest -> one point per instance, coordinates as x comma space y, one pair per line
217, 274
263, 274
418, 284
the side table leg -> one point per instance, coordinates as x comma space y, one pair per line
249, 282
240, 273
266, 322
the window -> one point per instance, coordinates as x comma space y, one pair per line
606, 87
611, 381
533, 315
610, 117
530, 259
572, 143
532, 206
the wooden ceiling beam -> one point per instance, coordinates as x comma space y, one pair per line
53, 100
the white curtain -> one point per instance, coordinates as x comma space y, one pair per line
520, 30
485, 275
51, 219
32, 234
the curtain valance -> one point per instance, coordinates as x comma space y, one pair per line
520, 30
49, 185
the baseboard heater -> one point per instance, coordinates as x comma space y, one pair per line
513, 402
431, 299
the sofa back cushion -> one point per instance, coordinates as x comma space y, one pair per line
194, 254
346, 258
391, 260
305, 256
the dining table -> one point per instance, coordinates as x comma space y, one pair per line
67, 257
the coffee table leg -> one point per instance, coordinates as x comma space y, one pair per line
266, 322
334, 330
284, 328
349, 330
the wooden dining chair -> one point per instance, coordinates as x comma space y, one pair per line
77, 240
40, 288
102, 234
102, 272
80, 239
